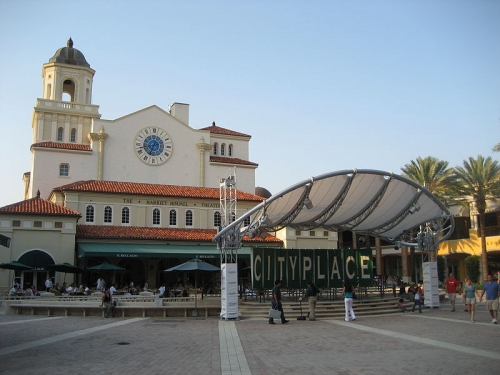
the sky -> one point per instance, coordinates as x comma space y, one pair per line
320, 86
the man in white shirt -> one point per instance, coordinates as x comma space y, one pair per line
161, 291
48, 284
100, 284
112, 290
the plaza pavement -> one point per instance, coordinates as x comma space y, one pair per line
437, 341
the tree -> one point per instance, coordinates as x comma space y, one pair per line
478, 181
431, 173
496, 148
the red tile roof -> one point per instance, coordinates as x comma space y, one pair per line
144, 233
226, 160
218, 130
38, 206
65, 146
135, 188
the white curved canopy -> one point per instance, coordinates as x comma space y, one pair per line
371, 202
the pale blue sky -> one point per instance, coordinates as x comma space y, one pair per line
320, 85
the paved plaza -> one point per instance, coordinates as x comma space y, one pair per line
437, 341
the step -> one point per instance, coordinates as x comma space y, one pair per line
325, 308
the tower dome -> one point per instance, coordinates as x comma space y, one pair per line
69, 55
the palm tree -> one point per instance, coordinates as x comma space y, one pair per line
435, 176
478, 181
496, 148
432, 174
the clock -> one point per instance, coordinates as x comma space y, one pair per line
153, 145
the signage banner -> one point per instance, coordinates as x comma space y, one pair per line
327, 268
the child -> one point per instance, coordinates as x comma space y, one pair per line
401, 306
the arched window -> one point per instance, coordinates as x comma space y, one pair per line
64, 170
60, 134
173, 217
223, 149
89, 214
189, 218
156, 217
217, 221
216, 146
247, 221
230, 150
125, 215
73, 135
108, 214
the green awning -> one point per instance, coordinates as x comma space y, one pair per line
117, 250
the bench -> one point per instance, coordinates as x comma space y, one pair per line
124, 308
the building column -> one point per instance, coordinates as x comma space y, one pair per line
378, 256
404, 264
203, 147
101, 138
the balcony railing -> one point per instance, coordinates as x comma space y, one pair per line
90, 109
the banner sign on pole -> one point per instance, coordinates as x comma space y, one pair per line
327, 268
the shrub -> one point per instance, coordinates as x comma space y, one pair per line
472, 267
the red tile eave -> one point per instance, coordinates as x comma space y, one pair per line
132, 188
38, 206
226, 160
145, 233
223, 131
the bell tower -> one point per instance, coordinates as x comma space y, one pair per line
62, 123
65, 111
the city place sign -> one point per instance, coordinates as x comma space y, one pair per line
327, 268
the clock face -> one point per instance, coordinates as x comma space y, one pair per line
153, 145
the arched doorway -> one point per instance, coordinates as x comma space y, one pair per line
39, 260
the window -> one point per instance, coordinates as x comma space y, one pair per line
312, 233
16, 223
173, 217
326, 233
58, 224
37, 224
60, 133
189, 218
230, 150
298, 232
125, 215
217, 222
247, 221
108, 214
64, 170
73, 135
223, 149
156, 217
216, 145
89, 214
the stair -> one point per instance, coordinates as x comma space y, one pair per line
325, 309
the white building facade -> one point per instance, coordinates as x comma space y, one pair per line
140, 191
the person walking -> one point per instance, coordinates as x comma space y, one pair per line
469, 295
492, 291
312, 297
348, 290
107, 301
276, 302
48, 284
417, 300
451, 288
100, 284
411, 292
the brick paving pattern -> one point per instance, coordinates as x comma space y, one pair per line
436, 341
